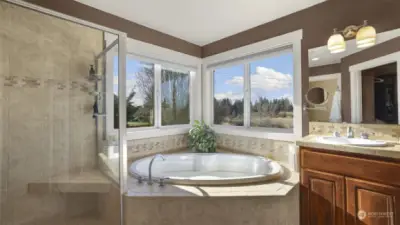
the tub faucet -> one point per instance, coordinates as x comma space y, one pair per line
150, 181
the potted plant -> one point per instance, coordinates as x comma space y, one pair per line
202, 138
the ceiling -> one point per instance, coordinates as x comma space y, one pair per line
200, 21
326, 58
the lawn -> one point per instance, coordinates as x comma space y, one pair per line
132, 124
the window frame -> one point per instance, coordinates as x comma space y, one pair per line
245, 55
213, 94
148, 132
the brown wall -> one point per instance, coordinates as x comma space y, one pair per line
133, 30
317, 23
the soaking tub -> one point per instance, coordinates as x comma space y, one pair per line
207, 168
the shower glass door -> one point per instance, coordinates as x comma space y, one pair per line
59, 161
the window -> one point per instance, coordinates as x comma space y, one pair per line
228, 95
255, 93
139, 94
144, 107
175, 97
271, 88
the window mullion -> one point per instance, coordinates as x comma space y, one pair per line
247, 96
157, 95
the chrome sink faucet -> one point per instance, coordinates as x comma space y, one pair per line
350, 132
150, 181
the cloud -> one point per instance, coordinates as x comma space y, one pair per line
236, 80
266, 79
229, 94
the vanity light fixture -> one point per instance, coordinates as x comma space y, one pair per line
336, 42
365, 37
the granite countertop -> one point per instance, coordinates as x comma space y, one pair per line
392, 150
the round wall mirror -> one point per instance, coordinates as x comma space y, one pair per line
317, 96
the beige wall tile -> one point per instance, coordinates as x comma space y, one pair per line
277, 150
148, 146
208, 210
47, 127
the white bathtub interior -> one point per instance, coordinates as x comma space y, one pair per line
207, 167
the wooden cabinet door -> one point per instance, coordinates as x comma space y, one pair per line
321, 198
370, 203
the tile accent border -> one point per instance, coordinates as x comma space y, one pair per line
148, 146
29, 82
276, 150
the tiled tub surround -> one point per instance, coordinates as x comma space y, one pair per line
232, 209
141, 148
282, 210
276, 150
149, 146
274, 203
46, 112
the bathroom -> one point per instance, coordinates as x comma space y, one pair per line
104, 109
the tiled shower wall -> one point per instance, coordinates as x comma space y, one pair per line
46, 111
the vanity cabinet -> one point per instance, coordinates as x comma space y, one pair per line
322, 198
348, 189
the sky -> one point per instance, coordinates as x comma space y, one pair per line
132, 67
270, 77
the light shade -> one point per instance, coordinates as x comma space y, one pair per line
366, 37
336, 43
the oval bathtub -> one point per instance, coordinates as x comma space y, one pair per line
208, 168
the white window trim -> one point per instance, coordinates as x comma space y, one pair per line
290, 39
356, 82
159, 57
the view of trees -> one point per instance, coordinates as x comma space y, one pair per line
174, 93
175, 98
277, 113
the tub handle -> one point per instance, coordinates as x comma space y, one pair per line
162, 182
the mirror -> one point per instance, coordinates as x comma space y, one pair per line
317, 96
359, 84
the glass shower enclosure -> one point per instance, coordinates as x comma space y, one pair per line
61, 159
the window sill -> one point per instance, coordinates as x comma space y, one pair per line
133, 134
264, 133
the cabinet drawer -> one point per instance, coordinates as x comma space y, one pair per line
368, 169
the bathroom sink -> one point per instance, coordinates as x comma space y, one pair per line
351, 141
